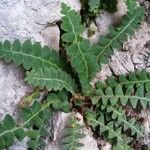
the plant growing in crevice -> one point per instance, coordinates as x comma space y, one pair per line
103, 106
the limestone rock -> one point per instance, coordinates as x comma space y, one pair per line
134, 55
146, 115
52, 36
121, 63
26, 18
89, 142
12, 88
136, 45
103, 22
60, 120
74, 4
122, 8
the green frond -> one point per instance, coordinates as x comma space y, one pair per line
98, 123
35, 116
29, 55
134, 96
78, 49
132, 88
134, 79
119, 34
32, 124
120, 119
72, 135
51, 78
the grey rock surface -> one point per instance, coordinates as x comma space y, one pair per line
60, 120
52, 36
24, 19
75, 4
12, 88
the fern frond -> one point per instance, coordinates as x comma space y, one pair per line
134, 79
132, 88
130, 95
33, 123
118, 35
35, 116
72, 135
29, 55
51, 79
79, 49
120, 119
98, 123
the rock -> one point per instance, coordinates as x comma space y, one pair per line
105, 19
19, 145
134, 55
25, 18
121, 63
74, 4
146, 114
146, 5
89, 142
12, 88
51, 36
103, 22
60, 120
103, 74
107, 147
136, 45
122, 8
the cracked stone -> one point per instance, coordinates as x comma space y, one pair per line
121, 63
51, 36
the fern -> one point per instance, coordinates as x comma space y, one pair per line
104, 128
35, 116
103, 106
30, 55
32, 123
134, 88
78, 49
119, 34
51, 79
72, 134
120, 119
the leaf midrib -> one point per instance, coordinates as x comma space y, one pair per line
34, 57
46, 79
125, 96
121, 117
76, 42
101, 52
25, 123
101, 124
